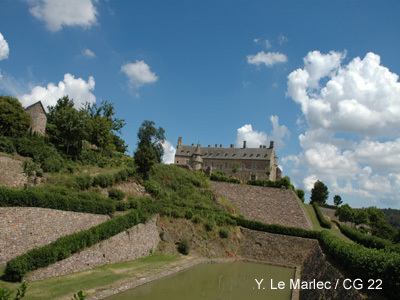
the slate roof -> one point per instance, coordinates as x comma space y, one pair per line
226, 153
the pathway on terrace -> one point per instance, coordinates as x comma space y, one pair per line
268, 205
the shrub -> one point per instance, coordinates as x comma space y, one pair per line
183, 246
83, 181
209, 225
7, 145
52, 164
223, 232
321, 219
103, 180
116, 194
36, 197
300, 193
121, 206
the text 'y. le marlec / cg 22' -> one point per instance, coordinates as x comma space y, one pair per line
251, 163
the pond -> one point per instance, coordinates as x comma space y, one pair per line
229, 281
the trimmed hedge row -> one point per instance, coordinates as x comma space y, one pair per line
277, 229
65, 246
321, 219
360, 262
365, 263
223, 178
368, 241
283, 183
39, 198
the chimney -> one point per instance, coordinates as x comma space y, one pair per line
220, 145
179, 142
192, 144
260, 146
232, 146
271, 145
244, 144
216, 145
209, 146
264, 146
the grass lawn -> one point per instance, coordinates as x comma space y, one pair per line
314, 221
97, 279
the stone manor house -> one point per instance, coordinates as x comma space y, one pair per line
38, 117
253, 162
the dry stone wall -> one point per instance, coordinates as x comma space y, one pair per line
24, 228
268, 205
275, 248
11, 173
134, 243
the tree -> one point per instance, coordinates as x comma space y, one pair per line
29, 169
300, 193
66, 126
101, 125
319, 193
150, 149
360, 216
345, 213
235, 167
14, 120
337, 200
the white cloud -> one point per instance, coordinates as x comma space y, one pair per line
88, 53
169, 153
77, 89
353, 117
59, 13
252, 137
4, 50
279, 132
268, 59
268, 44
139, 73
282, 39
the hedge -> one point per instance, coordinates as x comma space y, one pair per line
223, 178
321, 219
368, 241
360, 262
40, 198
67, 245
365, 263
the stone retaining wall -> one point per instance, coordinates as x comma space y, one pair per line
131, 244
317, 267
24, 228
268, 205
275, 248
11, 174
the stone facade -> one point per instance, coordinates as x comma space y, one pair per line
25, 228
131, 244
38, 116
253, 162
268, 205
11, 174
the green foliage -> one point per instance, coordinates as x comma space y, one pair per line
300, 193
7, 145
122, 206
223, 233
52, 164
366, 240
337, 200
37, 197
103, 180
14, 121
150, 149
235, 167
184, 246
116, 194
220, 176
283, 183
209, 225
319, 193
6, 294
365, 263
345, 213
70, 244
321, 219
80, 296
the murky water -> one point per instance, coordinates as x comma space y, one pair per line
230, 281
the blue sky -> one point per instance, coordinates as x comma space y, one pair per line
320, 78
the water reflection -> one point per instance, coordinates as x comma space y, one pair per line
232, 281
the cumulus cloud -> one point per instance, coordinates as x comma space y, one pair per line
169, 153
269, 59
252, 137
88, 53
4, 50
353, 117
59, 13
279, 132
75, 88
139, 73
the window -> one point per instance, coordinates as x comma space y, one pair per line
253, 177
226, 165
205, 164
254, 165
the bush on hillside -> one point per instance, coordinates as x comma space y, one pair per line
321, 219
116, 194
183, 246
223, 232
